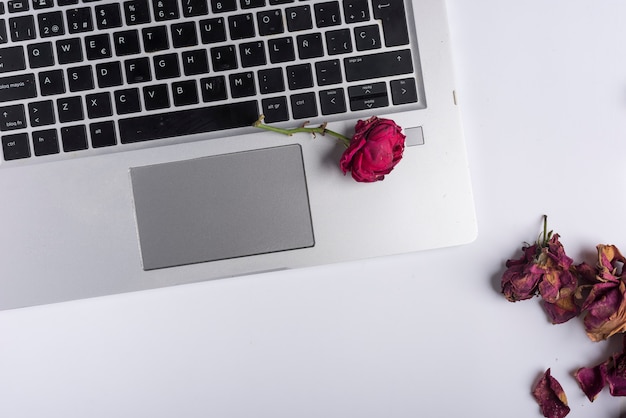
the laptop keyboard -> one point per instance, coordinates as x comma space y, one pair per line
96, 75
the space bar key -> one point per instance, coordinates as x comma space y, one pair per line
188, 122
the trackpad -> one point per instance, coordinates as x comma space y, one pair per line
220, 207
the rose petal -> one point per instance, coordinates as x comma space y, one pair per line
616, 375
606, 312
592, 380
551, 397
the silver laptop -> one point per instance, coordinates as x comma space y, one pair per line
129, 161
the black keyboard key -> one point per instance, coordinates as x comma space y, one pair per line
281, 50
66, 2
166, 66
99, 105
187, 122
223, 58
332, 101
251, 4
213, 88
127, 101
109, 74
393, 17
15, 146
194, 8
184, 34
70, 109
98, 46
45, 142
15, 6
298, 18
241, 26
12, 59
378, 65
271, 80
327, 14
356, 11
195, 62
221, 6
328, 72
41, 113
338, 41
22, 28
165, 9
108, 16
274, 2
403, 91
212, 30
303, 105
12, 117
310, 45
185, 93
40, 55
136, 12
69, 51
242, 85
80, 78
369, 96
367, 38
252, 54
102, 134
4, 37
79, 20
156, 97
74, 138
51, 82
275, 109
42, 4
270, 22
299, 76
126, 42
51, 24
155, 38
137, 70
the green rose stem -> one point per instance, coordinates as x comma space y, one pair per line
322, 130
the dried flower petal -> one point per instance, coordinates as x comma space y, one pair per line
520, 279
551, 397
591, 380
605, 301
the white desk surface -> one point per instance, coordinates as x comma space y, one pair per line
542, 85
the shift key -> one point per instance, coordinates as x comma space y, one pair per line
17, 87
366, 67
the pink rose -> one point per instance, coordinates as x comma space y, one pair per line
374, 150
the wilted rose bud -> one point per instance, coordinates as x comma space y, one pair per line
375, 148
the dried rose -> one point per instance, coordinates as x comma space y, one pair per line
544, 268
375, 148
605, 300
373, 151
550, 396
612, 372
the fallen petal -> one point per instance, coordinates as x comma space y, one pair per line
551, 397
592, 380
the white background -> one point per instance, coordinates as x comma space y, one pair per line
542, 88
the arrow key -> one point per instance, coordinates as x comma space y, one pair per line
368, 96
332, 101
403, 91
41, 113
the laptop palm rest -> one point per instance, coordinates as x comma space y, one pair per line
221, 207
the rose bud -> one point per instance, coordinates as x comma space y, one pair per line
521, 278
375, 148
550, 396
605, 302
